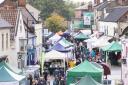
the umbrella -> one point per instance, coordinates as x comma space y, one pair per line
106, 69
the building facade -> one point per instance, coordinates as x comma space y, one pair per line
22, 34
5, 39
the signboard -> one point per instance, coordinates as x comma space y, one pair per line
87, 20
88, 16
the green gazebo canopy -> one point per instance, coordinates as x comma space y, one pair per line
13, 69
85, 68
9, 76
114, 46
87, 80
5, 76
65, 43
81, 36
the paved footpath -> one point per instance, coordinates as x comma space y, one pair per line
115, 74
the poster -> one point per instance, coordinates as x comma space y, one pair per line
88, 17
87, 20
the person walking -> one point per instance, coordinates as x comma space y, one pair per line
56, 81
42, 81
93, 54
62, 81
30, 79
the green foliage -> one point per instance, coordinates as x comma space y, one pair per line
47, 7
55, 23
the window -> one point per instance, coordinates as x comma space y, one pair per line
12, 34
2, 41
6, 40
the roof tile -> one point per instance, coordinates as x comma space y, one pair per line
9, 15
116, 14
4, 23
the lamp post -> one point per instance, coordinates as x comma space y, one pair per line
42, 61
22, 53
21, 60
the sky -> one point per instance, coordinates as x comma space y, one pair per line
1, 1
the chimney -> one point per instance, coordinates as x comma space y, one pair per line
96, 2
121, 2
21, 3
90, 7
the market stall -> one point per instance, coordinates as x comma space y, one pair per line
54, 38
65, 43
101, 42
80, 36
33, 70
87, 80
83, 69
90, 42
10, 78
10, 67
112, 47
51, 55
59, 47
54, 60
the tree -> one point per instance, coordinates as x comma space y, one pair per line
55, 23
47, 7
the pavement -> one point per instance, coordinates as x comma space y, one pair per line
115, 74
51, 80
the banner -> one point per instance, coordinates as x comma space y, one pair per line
88, 16
87, 20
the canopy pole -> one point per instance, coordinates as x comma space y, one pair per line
106, 57
64, 66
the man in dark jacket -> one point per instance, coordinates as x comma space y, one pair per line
62, 81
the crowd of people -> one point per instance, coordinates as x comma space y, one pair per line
58, 75
46, 78
80, 53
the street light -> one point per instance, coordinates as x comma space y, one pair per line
21, 54
21, 60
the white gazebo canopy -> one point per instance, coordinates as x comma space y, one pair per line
90, 42
93, 39
51, 55
101, 42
